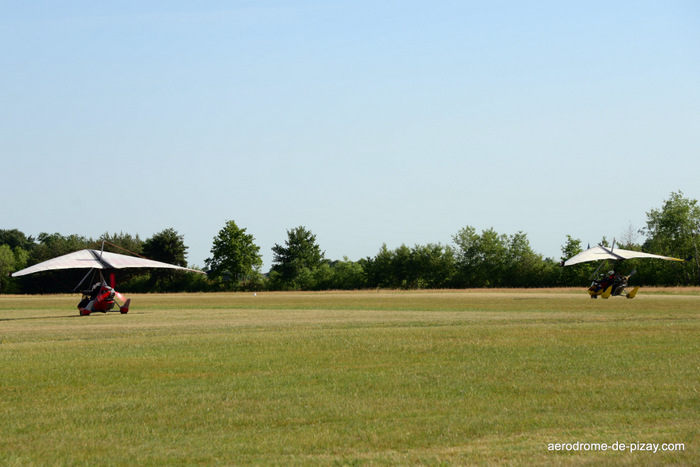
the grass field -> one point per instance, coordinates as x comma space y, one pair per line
453, 377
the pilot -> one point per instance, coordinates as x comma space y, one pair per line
95, 291
90, 296
607, 281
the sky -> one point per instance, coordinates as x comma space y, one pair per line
396, 122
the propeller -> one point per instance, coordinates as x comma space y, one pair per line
119, 296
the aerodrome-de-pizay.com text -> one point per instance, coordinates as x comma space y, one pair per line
617, 446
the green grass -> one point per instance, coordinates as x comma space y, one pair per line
349, 378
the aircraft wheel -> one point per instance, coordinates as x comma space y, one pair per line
123, 310
84, 312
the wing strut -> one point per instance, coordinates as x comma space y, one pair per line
595, 273
91, 271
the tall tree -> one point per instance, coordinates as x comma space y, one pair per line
481, 258
166, 246
347, 275
234, 254
7, 267
673, 230
579, 274
299, 256
14, 254
169, 247
377, 269
434, 265
16, 238
523, 267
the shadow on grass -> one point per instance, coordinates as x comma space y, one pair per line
41, 317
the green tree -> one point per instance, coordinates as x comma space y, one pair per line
673, 231
334, 275
377, 269
21, 258
234, 255
14, 246
481, 258
11, 261
169, 247
295, 262
523, 267
166, 246
578, 274
402, 268
490, 259
347, 275
434, 266
7, 267
15, 238
391, 269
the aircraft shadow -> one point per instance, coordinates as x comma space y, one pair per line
40, 317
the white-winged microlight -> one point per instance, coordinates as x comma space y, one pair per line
613, 283
101, 296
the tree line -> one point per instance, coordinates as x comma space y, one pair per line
475, 259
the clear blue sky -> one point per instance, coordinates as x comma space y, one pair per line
367, 122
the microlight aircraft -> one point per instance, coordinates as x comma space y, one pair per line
101, 296
613, 283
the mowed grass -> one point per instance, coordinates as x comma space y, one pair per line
454, 377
